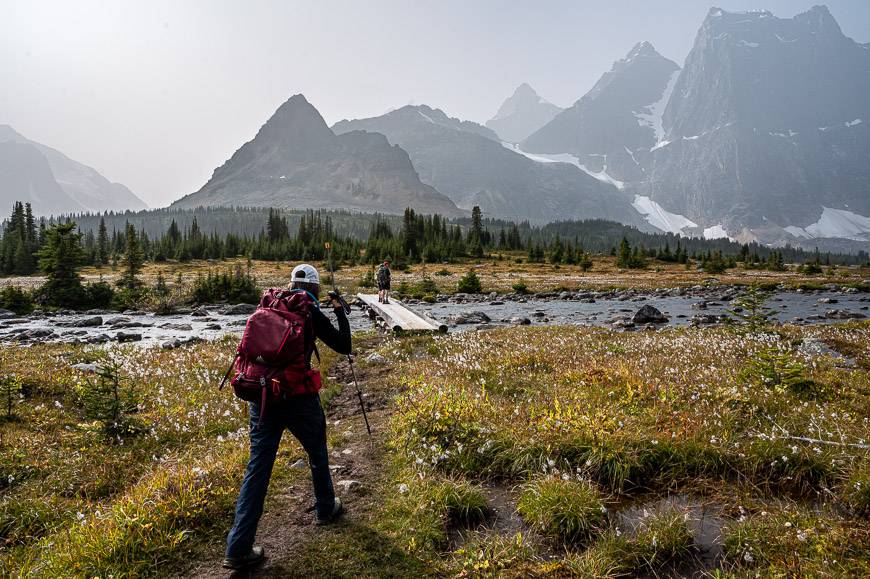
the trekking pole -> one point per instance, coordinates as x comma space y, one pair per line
335, 293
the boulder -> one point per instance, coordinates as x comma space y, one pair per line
213, 327
520, 321
375, 358
239, 310
177, 327
36, 333
117, 320
90, 322
649, 315
471, 317
171, 344
199, 312
128, 337
843, 315
6, 314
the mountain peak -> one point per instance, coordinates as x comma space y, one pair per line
643, 48
296, 120
521, 114
819, 19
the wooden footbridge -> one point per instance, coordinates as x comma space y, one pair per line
398, 318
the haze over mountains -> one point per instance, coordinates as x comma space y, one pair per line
762, 134
521, 114
52, 182
296, 161
468, 163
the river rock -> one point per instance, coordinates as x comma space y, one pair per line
15, 321
238, 323
128, 337
213, 327
97, 339
623, 323
90, 322
843, 315
239, 310
7, 315
702, 319
649, 315
520, 321
702, 305
36, 333
475, 317
176, 327
199, 312
117, 320
171, 344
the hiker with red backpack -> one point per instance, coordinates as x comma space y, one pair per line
274, 374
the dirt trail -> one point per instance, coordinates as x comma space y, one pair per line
287, 525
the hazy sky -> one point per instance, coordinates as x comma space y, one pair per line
155, 94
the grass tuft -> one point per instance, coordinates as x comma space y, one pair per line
570, 510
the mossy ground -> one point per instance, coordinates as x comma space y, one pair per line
469, 429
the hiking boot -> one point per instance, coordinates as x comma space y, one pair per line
254, 556
337, 511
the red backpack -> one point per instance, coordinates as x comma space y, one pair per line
273, 359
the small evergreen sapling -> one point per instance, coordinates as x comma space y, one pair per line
110, 399
10, 393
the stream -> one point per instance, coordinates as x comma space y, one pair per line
462, 312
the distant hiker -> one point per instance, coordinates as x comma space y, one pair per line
383, 276
274, 374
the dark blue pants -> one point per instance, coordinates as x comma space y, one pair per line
303, 416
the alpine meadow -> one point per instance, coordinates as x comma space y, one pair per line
464, 289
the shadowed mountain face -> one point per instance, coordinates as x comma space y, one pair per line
768, 125
468, 163
522, 114
615, 124
296, 161
52, 182
764, 134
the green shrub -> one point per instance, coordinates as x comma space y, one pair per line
236, 286
570, 510
520, 287
100, 294
442, 272
426, 286
469, 284
368, 279
16, 299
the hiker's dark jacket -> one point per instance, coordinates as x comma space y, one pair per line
338, 340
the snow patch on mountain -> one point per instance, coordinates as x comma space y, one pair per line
567, 158
653, 118
658, 217
840, 223
716, 232
798, 232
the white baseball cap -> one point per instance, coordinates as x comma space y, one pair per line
305, 273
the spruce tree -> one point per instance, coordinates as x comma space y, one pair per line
59, 259
132, 260
103, 244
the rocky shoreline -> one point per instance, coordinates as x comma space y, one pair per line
621, 309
